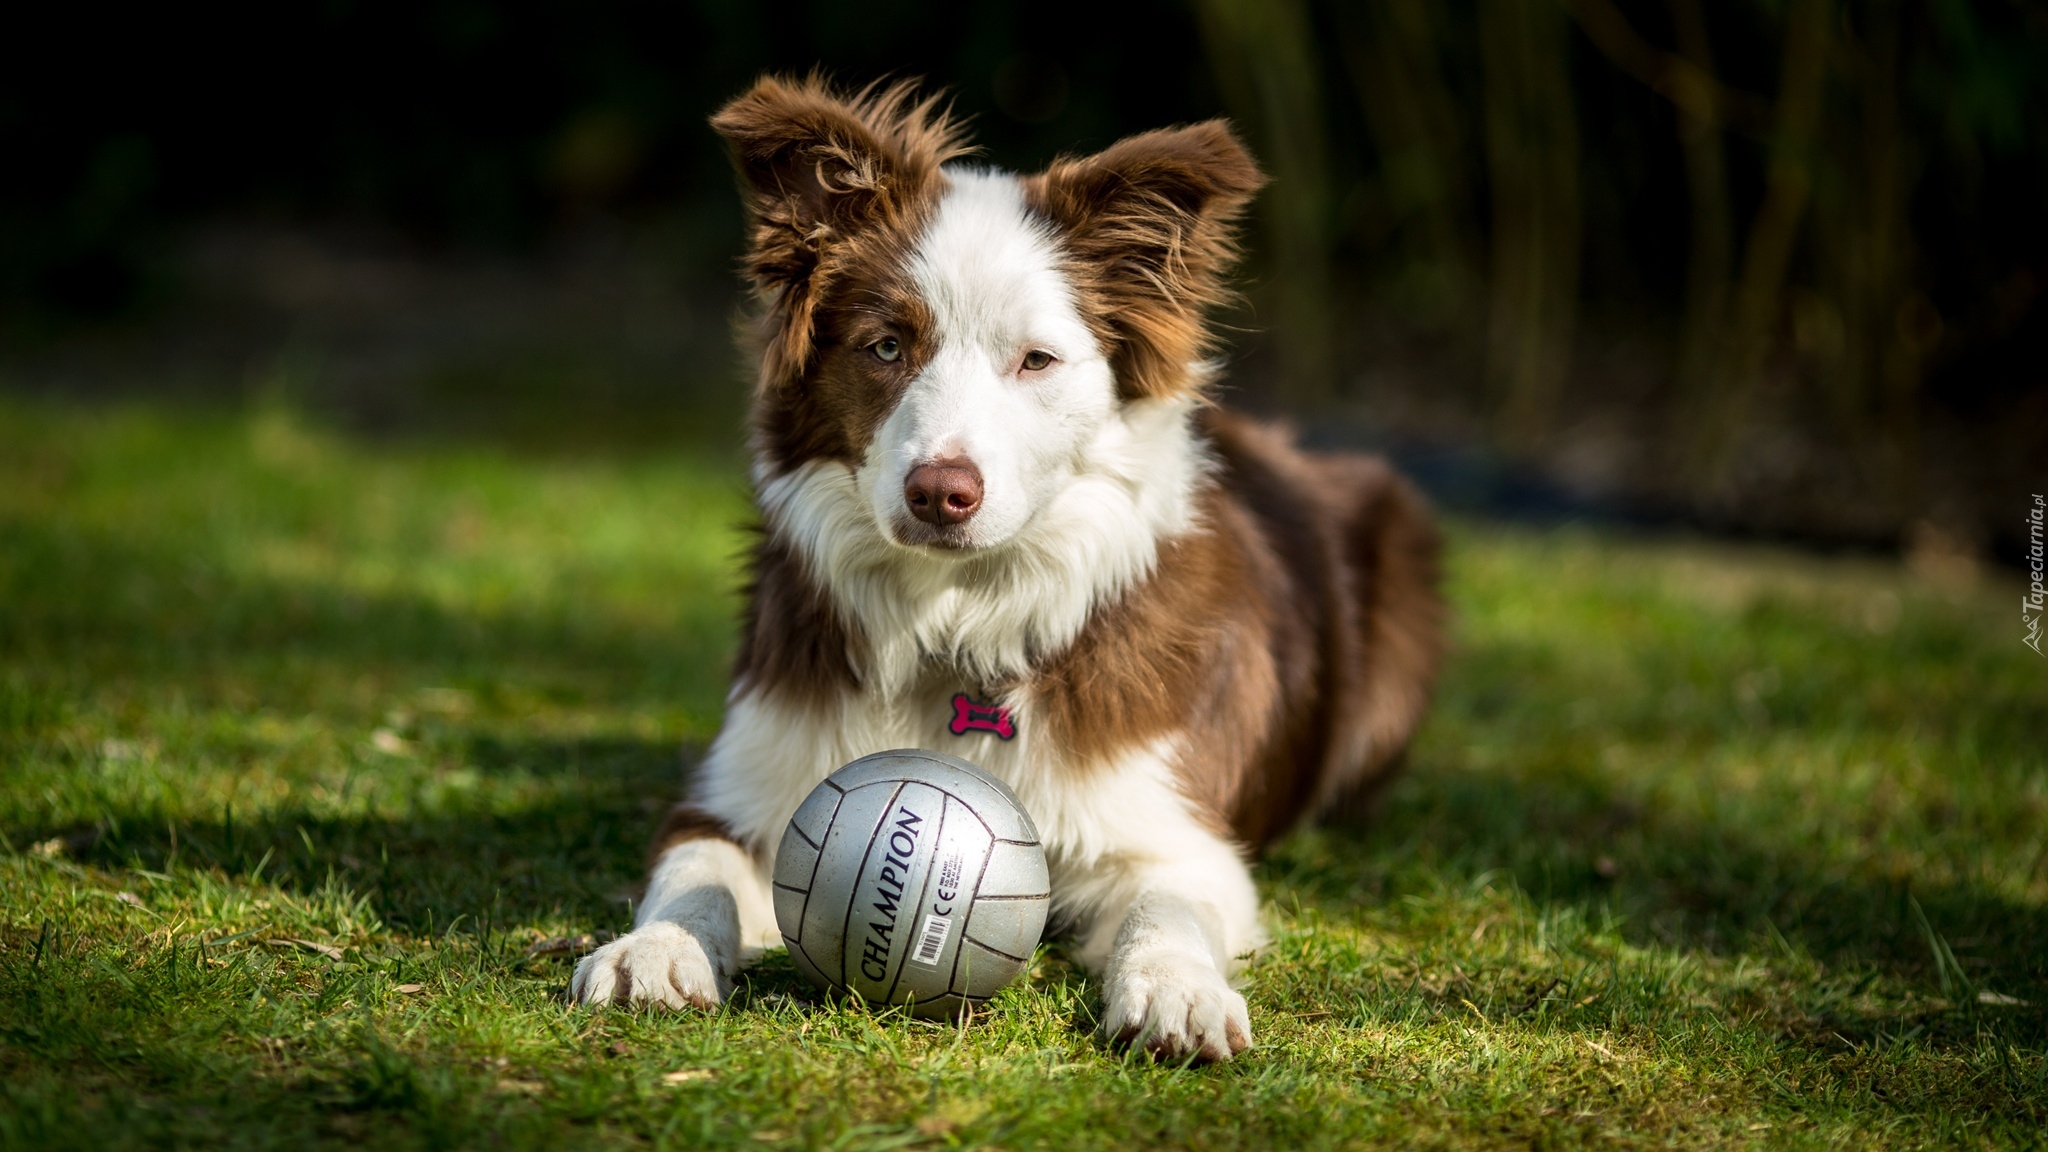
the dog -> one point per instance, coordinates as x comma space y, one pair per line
990, 476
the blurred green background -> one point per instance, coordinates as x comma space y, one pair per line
1768, 266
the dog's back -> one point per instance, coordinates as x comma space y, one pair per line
1286, 645
1358, 540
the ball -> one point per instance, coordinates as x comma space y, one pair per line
912, 878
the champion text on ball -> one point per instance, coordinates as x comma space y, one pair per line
1003, 518
912, 878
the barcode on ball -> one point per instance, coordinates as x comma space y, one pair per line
931, 940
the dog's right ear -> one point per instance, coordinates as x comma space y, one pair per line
818, 168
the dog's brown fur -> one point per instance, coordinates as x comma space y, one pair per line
1149, 227
1288, 644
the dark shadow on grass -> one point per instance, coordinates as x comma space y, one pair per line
1673, 882
1556, 829
1705, 890
576, 855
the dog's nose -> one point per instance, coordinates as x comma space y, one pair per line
944, 491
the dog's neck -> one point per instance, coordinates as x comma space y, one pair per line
986, 618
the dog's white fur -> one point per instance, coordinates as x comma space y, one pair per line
1080, 490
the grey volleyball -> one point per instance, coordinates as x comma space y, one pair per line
912, 878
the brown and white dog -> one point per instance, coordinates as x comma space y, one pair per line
1001, 519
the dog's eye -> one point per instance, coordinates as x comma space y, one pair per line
887, 350
1035, 360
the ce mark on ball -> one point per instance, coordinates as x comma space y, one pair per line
949, 886
931, 939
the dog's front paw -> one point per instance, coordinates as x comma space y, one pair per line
658, 964
1176, 1007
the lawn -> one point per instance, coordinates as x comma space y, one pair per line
307, 742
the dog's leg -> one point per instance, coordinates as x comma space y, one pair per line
707, 906
1166, 919
1166, 986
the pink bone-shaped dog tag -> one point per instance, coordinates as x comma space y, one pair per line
971, 717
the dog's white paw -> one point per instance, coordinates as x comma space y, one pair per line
658, 964
1176, 1007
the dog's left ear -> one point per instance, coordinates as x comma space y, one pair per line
817, 168
1152, 225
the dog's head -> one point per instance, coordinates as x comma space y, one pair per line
959, 338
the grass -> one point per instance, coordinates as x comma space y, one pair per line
304, 742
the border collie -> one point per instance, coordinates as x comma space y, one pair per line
988, 470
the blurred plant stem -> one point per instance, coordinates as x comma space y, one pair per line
1723, 407
1871, 372
1532, 150
1711, 257
1733, 319
1394, 56
1265, 62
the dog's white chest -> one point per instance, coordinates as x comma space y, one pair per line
769, 756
